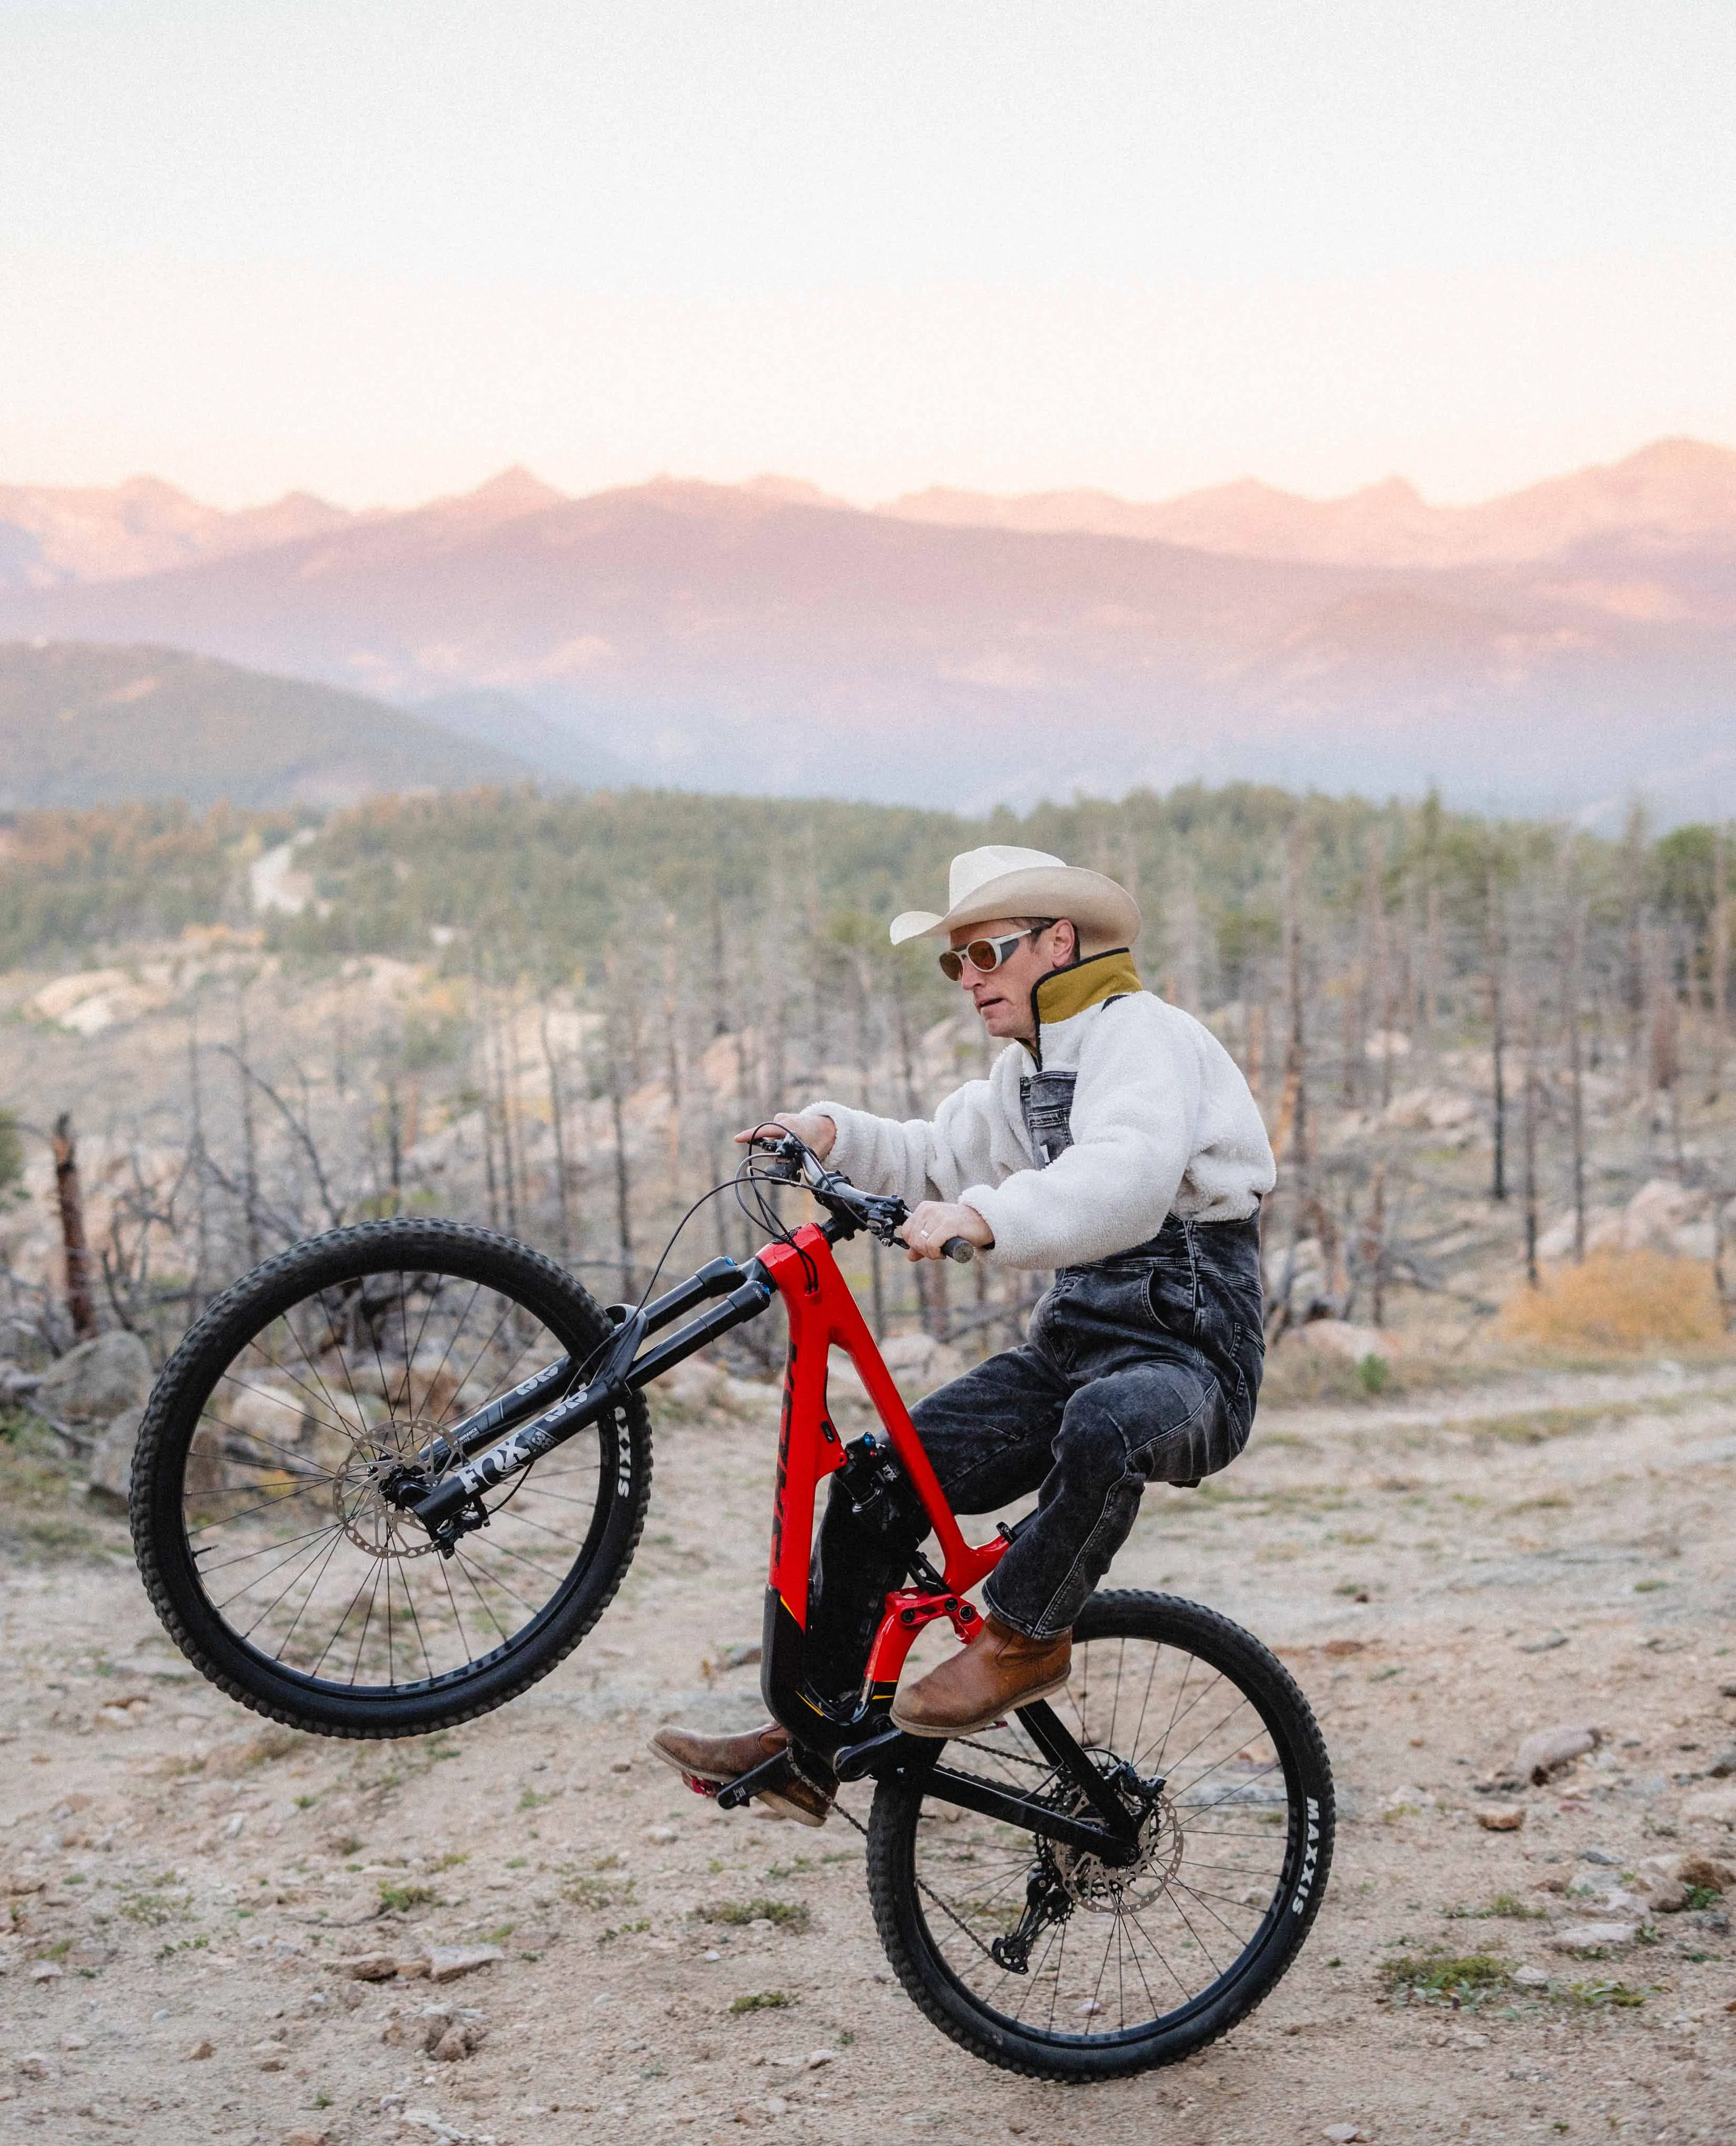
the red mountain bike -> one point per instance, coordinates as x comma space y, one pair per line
394, 1476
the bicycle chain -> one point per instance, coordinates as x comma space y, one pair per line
924, 1887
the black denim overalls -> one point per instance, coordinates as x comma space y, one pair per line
1142, 1367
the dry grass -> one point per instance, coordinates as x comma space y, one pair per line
1618, 1300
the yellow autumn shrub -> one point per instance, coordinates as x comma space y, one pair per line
1618, 1300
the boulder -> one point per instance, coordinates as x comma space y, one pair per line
268, 1410
1547, 1751
96, 1381
1339, 1337
1665, 1216
1603, 1228
112, 1457
446, 1963
698, 1387
1588, 1940
1432, 1110
919, 1363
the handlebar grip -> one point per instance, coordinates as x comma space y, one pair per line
959, 1249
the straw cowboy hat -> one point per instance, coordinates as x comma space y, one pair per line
998, 880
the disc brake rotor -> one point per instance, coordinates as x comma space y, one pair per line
376, 1528
1106, 1887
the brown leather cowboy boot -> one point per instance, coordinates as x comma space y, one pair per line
999, 1671
712, 1761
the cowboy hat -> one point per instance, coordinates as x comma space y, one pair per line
998, 880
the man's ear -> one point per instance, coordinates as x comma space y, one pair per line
1066, 942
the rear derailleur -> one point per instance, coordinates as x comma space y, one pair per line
1047, 1901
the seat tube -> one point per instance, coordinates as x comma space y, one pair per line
823, 1313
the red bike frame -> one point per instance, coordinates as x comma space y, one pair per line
843, 1741
823, 1315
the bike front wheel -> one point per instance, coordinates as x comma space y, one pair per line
258, 1521
1043, 1959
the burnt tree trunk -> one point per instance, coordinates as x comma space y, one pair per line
1528, 1123
1576, 1071
79, 1307
1720, 962
1498, 1035
623, 1173
557, 1122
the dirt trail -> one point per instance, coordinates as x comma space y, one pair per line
1443, 1577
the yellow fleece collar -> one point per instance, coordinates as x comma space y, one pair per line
1064, 992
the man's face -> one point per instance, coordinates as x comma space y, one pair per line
1002, 997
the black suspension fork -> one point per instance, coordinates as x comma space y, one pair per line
509, 1409
468, 1466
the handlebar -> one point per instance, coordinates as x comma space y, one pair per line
882, 1214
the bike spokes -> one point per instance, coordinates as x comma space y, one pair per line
1064, 1942
293, 1544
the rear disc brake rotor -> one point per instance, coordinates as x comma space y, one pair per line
1105, 1888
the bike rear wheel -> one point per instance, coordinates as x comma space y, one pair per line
1121, 1969
263, 1539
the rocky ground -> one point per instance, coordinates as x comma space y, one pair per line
1445, 1574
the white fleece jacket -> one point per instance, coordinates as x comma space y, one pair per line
1162, 1123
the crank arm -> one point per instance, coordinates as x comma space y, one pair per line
875, 1755
771, 1772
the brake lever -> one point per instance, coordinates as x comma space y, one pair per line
784, 1158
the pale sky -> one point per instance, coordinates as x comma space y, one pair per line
381, 248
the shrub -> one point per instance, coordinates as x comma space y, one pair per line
400, 1899
1618, 1300
1444, 1978
588, 1892
1373, 1374
786, 1914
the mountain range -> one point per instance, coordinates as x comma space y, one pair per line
82, 726
1554, 649
1676, 494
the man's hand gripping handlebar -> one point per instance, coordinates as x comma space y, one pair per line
884, 1216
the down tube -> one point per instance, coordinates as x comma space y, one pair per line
808, 1450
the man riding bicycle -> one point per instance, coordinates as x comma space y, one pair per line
1114, 1141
